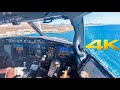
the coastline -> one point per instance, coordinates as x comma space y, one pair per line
25, 29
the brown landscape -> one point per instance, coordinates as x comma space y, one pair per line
24, 28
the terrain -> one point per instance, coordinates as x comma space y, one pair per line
24, 28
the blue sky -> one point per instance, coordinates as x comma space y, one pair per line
96, 18
103, 17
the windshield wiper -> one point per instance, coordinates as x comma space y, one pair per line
35, 28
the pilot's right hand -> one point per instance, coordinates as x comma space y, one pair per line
65, 74
84, 74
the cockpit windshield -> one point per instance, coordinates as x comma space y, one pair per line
59, 28
104, 26
23, 29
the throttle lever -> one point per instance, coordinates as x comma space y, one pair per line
68, 69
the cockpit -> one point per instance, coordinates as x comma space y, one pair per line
47, 57
33, 52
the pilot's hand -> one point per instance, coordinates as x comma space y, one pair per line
65, 74
84, 74
9, 72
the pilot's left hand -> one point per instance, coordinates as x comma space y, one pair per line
9, 72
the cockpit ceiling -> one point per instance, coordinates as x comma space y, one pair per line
10, 17
30, 14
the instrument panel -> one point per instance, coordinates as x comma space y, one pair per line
33, 40
34, 49
37, 50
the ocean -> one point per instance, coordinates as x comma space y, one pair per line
109, 58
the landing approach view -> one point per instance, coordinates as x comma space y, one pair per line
59, 45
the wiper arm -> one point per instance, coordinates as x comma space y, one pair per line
35, 28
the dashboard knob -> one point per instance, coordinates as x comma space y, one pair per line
68, 69
45, 56
57, 63
24, 65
